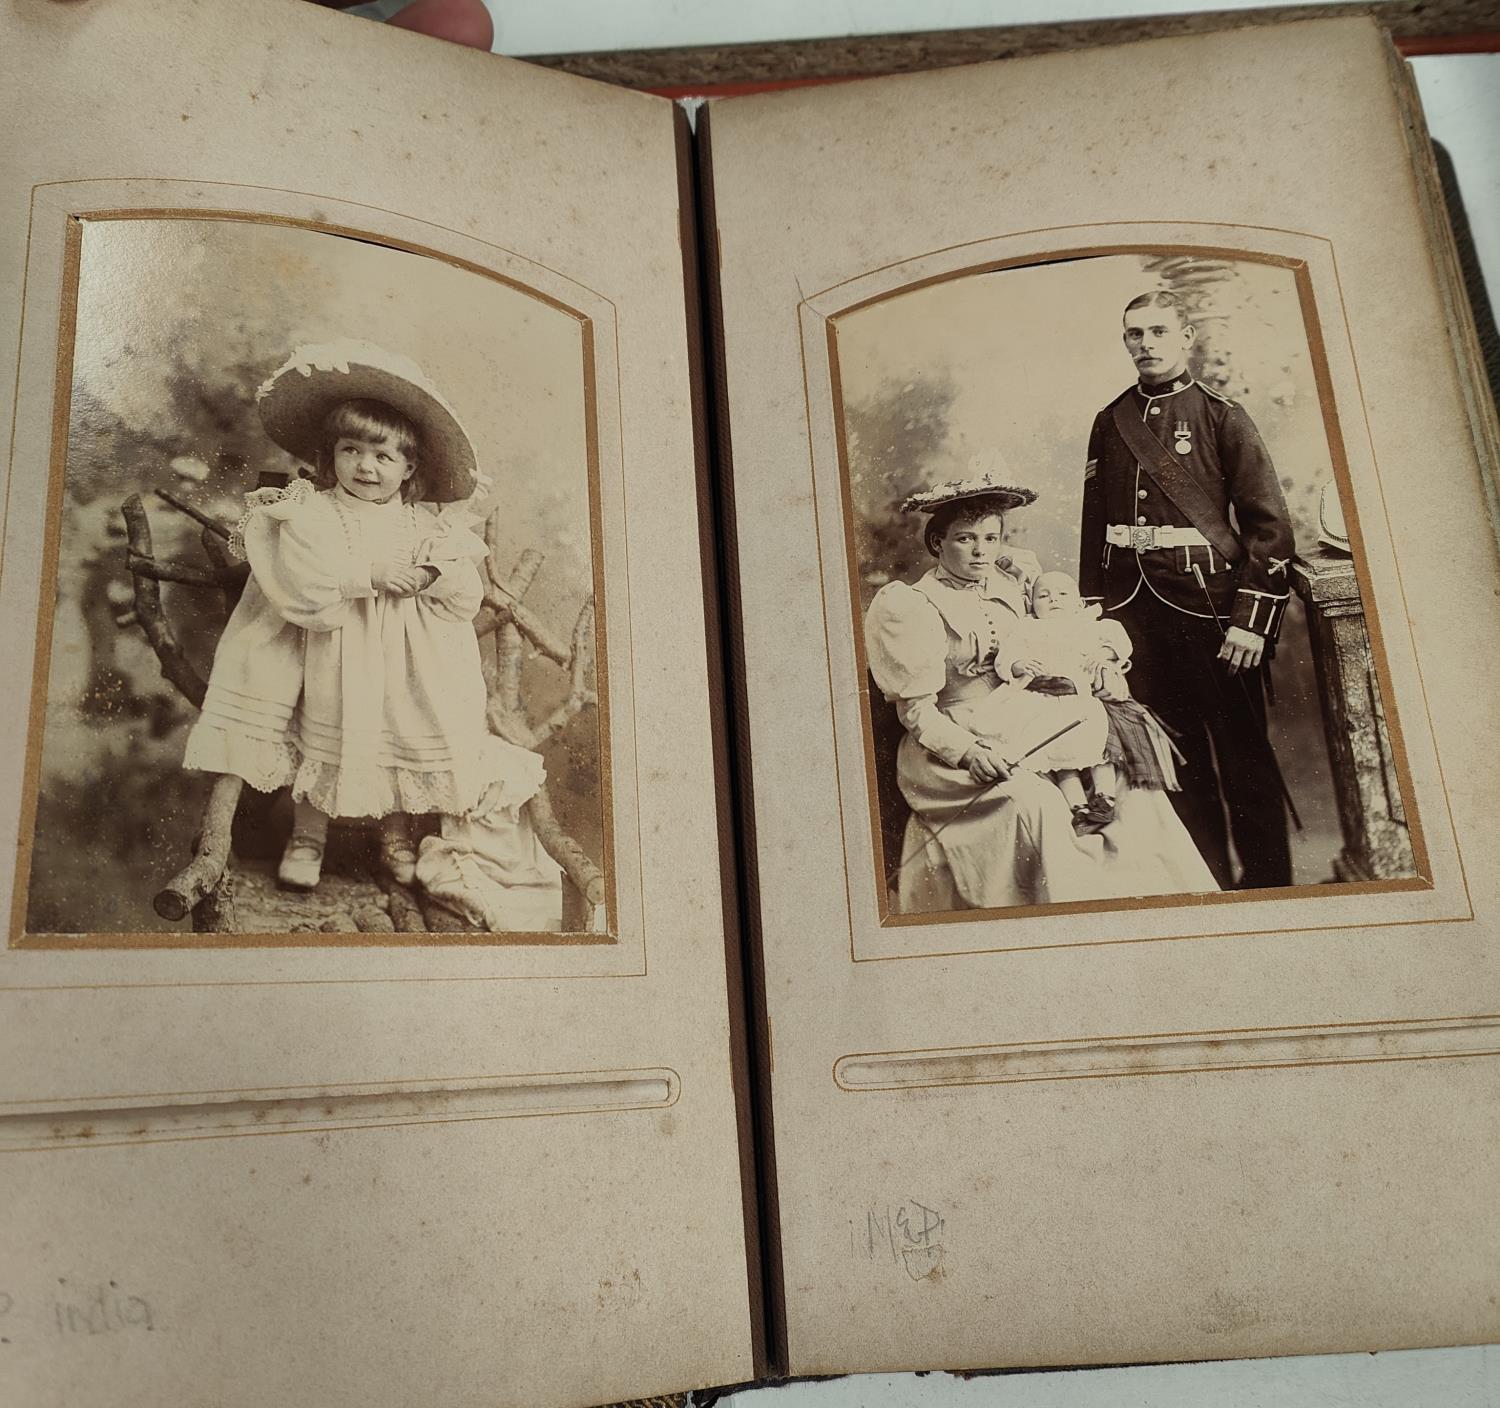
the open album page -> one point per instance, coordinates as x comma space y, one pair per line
1119, 620
366, 1032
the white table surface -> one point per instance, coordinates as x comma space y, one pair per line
1414, 1378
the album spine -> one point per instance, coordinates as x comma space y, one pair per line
736, 787
748, 1055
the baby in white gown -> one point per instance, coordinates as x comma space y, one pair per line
1066, 651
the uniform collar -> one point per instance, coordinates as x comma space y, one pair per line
1165, 388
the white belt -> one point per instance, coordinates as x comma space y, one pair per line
1142, 538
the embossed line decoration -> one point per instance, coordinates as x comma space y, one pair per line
197, 1115
1171, 1053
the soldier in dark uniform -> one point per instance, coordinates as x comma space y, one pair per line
1186, 541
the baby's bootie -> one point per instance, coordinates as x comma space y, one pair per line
1093, 816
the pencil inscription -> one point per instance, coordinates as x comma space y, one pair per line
907, 1234
73, 1310
99, 1309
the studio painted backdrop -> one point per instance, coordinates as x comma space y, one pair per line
179, 321
1007, 369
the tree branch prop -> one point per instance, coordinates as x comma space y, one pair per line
502, 603
565, 850
406, 913
176, 668
510, 652
232, 574
216, 912
212, 524
497, 610
179, 572
505, 713
581, 686
201, 876
488, 664
502, 720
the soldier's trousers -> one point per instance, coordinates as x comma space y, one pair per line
1219, 722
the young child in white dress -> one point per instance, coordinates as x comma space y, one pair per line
350, 670
1062, 650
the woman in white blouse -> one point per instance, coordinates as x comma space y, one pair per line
985, 833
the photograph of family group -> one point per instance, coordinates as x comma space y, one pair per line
1108, 591
323, 618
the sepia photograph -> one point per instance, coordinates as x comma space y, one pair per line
321, 643
1109, 593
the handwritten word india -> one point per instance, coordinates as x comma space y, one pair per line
92, 1308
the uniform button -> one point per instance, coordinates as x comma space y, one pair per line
1140, 493
1141, 521
1156, 410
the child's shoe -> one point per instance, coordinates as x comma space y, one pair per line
301, 863
397, 854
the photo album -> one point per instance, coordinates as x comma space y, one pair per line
850, 732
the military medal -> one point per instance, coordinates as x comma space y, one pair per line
1183, 436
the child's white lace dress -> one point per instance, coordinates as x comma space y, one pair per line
364, 703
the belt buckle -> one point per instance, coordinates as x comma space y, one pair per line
1142, 539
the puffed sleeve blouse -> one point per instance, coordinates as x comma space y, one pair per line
913, 650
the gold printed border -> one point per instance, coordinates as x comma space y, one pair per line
1298, 267
19, 938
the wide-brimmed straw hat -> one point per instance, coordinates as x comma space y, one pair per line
295, 401
986, 482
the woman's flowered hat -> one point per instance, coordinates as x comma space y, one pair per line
986, 480
295, 400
